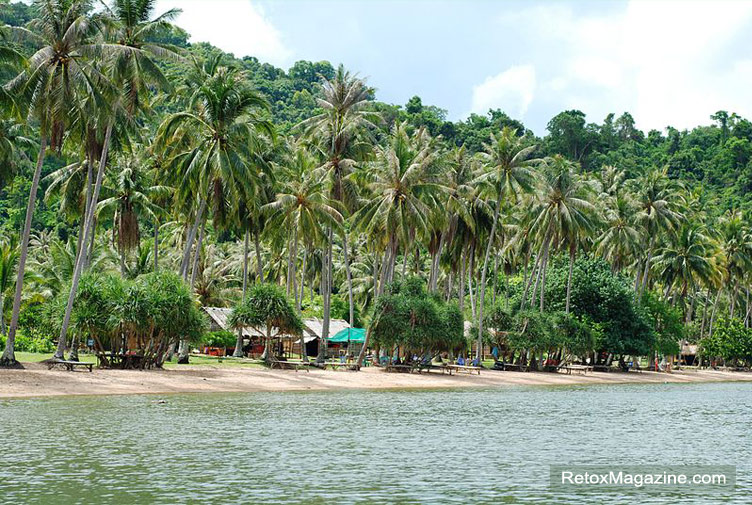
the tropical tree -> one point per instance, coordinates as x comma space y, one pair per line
8, 259
57, 73
507, 172
266, 308
338, 132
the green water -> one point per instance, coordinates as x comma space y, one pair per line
406, 447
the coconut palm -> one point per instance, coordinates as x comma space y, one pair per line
659, 201
13, 146
211, 145
619, 241
686, 261
131, 199
507, 172
57, 73
406, 185
338, 133
563, 213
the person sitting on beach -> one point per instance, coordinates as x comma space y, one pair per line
461, 361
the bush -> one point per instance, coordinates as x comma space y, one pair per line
221, 338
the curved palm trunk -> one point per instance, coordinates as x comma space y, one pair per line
9, 356
482, 296
569, 277
326, 284
646, 273
88, 227
259, 261
156, 245
185, 263
349, 279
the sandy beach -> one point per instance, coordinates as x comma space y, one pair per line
37, 380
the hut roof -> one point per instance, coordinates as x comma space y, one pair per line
221, 317
312, 327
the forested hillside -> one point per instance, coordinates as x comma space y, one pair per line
230, 171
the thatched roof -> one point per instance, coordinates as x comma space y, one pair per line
220, 316
312, 327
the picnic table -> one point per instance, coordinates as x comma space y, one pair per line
580, 369
428, 367
343, 366
500, 365
69, 365
398, 368
463, 368
291, 365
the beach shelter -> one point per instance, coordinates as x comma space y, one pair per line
352, 335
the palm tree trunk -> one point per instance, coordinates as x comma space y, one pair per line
85, 248
302, 279
185, 263
9, 356
197, 255
259, 261
461, 285
491, 237
246, 247
715, 309
122, 261
647, 266
569, 277
349, 278
2, 316
88, 227
73, 354
156, 245
529, 282
326, 273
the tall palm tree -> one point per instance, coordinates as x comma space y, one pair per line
129, 68
736, 249
13, 147
619, 241
686, 261
8, 259
338, 133
58, 72
507, 172
210, 146
563, 213
659, 201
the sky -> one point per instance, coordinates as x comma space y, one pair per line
667, 62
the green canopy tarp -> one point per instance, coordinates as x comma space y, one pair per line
355, 335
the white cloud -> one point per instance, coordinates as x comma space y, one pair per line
512, 90
666, 62
236, 26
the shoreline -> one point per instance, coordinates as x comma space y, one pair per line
37, 381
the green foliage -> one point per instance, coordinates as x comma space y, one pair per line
267, 307
408, 316
667, 322
730, 340
604, 298
221, 338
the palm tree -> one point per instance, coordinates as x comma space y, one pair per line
619, 241
507, 172
131, 199
8, 258
736, 250
56, 74
686, 261
659, 201
211, 145
128, 72
338, 131
13, 146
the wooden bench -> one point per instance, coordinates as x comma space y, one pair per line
290, 365
70, 365
430, 367
343, 366
398, 368
580, 369
464, 368
509, 367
